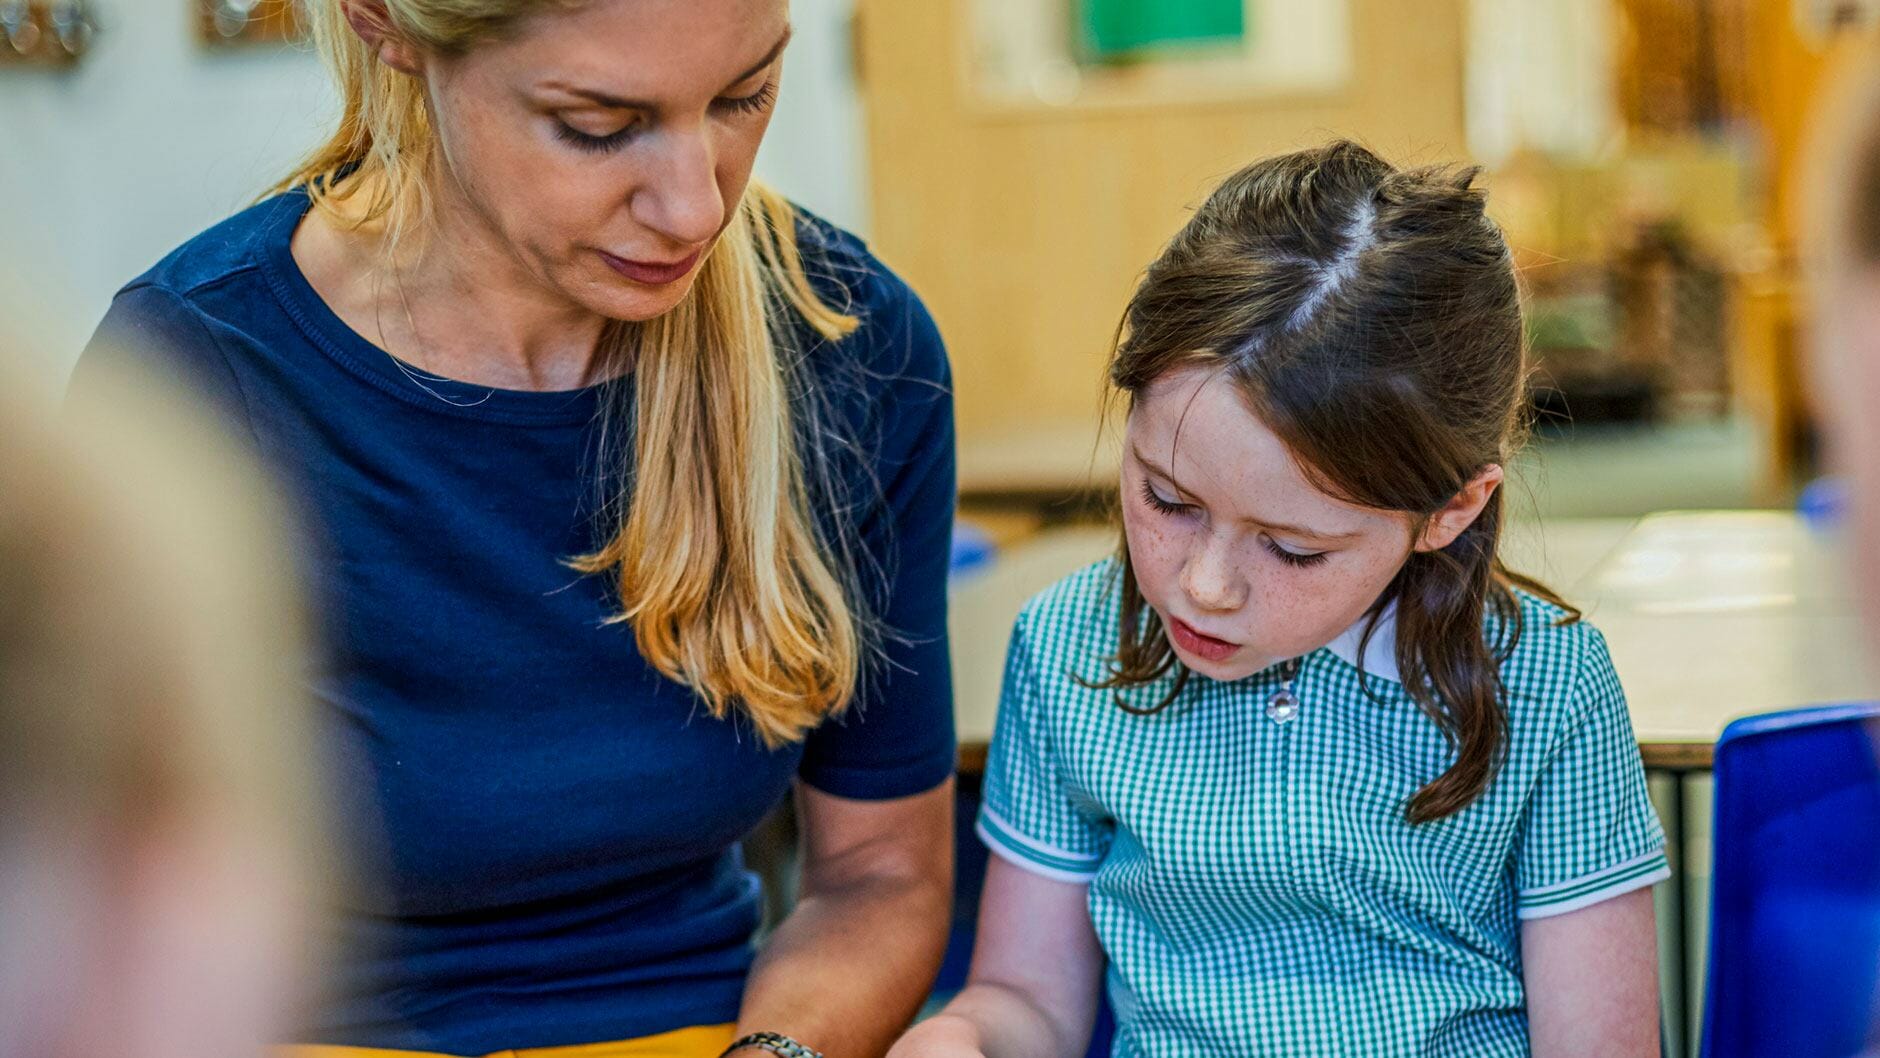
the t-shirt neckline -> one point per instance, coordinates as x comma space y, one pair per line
385, 372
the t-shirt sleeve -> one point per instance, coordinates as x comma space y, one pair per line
152, 331
1028, 816
1590, 832
897, 738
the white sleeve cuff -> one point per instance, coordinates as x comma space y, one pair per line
1549, 900
1032, 855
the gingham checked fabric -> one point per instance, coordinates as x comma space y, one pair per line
1255, 884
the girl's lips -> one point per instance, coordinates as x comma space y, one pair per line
652, 273
1202, 646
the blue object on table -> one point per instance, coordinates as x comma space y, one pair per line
1823, 502
972, 550
1795, 886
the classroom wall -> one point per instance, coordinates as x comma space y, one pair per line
1024, 228
106, 167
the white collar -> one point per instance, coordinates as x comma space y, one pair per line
1380, 654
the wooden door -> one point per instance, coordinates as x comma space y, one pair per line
1024, 226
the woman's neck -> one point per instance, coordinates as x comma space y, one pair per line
455, 302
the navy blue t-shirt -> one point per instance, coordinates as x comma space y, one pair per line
556, 824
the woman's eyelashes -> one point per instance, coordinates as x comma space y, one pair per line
584, 141
755, 103
1301, 559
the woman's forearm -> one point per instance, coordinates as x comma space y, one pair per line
849, 968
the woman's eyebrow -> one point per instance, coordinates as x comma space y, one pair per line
614, 102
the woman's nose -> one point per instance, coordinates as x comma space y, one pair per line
680, 198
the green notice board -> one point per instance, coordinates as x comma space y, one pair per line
1117, 28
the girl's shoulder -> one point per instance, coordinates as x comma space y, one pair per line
1066, 633
1553, 659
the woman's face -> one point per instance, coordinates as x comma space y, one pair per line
604, 147
1247, 562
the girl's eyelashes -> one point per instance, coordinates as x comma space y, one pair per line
1292, 558
757, 102
1157, 503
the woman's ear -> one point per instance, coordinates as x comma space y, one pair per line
1461, 511
373, 23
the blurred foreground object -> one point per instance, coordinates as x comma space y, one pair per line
159, 847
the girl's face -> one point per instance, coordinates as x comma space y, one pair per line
1246, 561
602, 149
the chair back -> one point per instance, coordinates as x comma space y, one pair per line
1795, 886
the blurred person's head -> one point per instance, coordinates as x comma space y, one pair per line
1844, 257
591, 159
157, 838
1326, 376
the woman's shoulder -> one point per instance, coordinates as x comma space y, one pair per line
228, 250
896, 336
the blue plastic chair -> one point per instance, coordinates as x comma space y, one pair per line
1795, 886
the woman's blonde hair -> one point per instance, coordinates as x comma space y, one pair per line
723, 573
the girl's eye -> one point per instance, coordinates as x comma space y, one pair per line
1292, 558
596, 144
755, 103
1158, 503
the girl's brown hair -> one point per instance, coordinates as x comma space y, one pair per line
1371, 318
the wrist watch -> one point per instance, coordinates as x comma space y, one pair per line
774, 1042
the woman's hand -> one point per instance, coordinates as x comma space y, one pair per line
851, 964
1037, 966
1592, 980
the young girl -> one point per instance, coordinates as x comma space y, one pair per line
1305, 765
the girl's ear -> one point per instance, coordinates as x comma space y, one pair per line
373, 23
1461, 511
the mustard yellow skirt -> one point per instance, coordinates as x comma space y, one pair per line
699, 1041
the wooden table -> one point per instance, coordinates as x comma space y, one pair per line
1710, 616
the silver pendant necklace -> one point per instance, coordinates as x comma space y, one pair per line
1282, 707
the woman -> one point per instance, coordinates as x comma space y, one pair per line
633, 489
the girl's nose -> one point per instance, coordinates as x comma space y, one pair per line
1212, 579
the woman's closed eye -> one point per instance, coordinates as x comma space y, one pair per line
598, 143
602, 142
755, 103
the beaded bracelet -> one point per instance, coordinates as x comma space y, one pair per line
775, 1043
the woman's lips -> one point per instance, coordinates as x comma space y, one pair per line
652, 273
1202, 646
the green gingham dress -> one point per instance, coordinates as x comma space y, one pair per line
1252, 877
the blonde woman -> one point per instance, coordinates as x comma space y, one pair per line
632, 489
